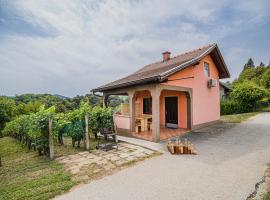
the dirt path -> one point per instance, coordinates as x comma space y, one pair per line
229, 163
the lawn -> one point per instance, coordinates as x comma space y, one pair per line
25, 175
24, 170
237, 118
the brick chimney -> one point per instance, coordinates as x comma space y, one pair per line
166, 55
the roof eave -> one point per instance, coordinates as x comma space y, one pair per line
228, 75
186, 64
128, 84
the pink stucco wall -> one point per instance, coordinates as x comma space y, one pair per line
121, 121
139, 100
182, 105
205, 100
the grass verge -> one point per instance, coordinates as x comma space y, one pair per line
266, 195
237, 118
25, 175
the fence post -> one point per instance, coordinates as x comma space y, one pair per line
86, 136
51, 151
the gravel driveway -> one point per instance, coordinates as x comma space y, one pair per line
229, 164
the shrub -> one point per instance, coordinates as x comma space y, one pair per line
230, 106
248, 94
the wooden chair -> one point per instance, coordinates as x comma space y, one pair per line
107, 134
149, 124
138, 125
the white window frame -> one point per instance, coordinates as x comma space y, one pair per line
206, 72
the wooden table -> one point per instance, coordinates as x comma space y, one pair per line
144, 121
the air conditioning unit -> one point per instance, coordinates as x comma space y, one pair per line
212, 83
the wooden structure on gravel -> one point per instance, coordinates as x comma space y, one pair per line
178, 147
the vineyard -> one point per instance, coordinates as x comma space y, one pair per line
38, 131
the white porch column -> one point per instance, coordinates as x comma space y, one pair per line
132, 116
155, 93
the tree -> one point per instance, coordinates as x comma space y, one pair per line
115, 101
27, 108
247, 74
249, 64
265, 79
262, 64
7, 111
248, 94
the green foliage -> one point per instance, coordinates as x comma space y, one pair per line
99, 118
32, 129
76, 131
252, 74
262, 64
7, 111
68, 123
94, 100
249, 64
230, 106
265, 78
27, 108
247, 94
250, 90
27, 176
115, 101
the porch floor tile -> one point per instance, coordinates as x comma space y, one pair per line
165, 133
143, 143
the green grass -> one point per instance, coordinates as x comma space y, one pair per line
25, 175
265, 109
266, 195
237, 118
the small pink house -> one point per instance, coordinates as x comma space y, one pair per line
171, 96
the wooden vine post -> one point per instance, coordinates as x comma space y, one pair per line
86, 136
51, 150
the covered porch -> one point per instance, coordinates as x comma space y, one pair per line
165, 133
154, 112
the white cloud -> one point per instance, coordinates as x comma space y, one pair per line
98, 41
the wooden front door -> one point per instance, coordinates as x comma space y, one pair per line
171, 112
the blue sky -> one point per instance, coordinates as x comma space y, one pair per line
69, 47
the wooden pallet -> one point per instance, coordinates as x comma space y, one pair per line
178, 147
